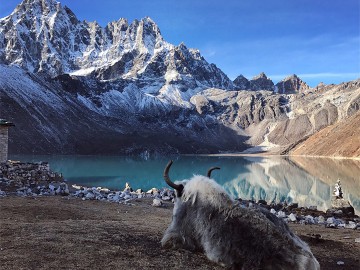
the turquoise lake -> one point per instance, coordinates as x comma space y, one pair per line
307, 181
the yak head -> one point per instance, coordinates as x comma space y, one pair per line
179, 188
193, 197
201, 191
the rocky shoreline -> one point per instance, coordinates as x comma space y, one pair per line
36, 179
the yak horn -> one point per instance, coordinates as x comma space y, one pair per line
210, 170
167, 178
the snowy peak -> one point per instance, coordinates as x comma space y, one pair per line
35, 11
31, 36
39, 6
291, 84
43, 36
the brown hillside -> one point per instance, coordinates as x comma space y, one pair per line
341, 139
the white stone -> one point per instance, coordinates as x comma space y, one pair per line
76, 186
272, 211
292, 217
281, 214
321, 219
157, 202
51, 187
340, 263
351, 225
309, 219
90, 195
152, 191
357, 240
330, 220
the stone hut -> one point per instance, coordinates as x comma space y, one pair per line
4, 139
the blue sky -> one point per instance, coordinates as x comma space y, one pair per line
316, 39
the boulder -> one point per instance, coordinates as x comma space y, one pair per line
341, 207
157, 202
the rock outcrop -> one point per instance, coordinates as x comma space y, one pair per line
291, 84
241, 83
261, 82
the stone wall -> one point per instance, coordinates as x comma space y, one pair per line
4, 137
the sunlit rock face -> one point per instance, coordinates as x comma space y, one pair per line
261, 82
291, 84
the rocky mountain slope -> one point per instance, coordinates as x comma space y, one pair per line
341, 139
73, 86
277, 123
291, 84
259, 82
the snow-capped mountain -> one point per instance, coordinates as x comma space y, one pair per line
73, 86
44, 36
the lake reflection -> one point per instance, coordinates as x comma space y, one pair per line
308, 181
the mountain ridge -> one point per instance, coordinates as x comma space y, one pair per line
122, 89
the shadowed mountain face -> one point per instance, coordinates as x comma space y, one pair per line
49, 119
73, 86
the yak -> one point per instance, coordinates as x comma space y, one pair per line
206, 219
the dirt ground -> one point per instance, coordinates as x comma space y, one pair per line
68, 233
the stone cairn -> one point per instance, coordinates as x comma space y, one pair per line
337, 193
340, 206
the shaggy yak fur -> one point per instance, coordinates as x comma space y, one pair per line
206, 219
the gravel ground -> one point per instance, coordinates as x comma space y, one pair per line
69, 233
